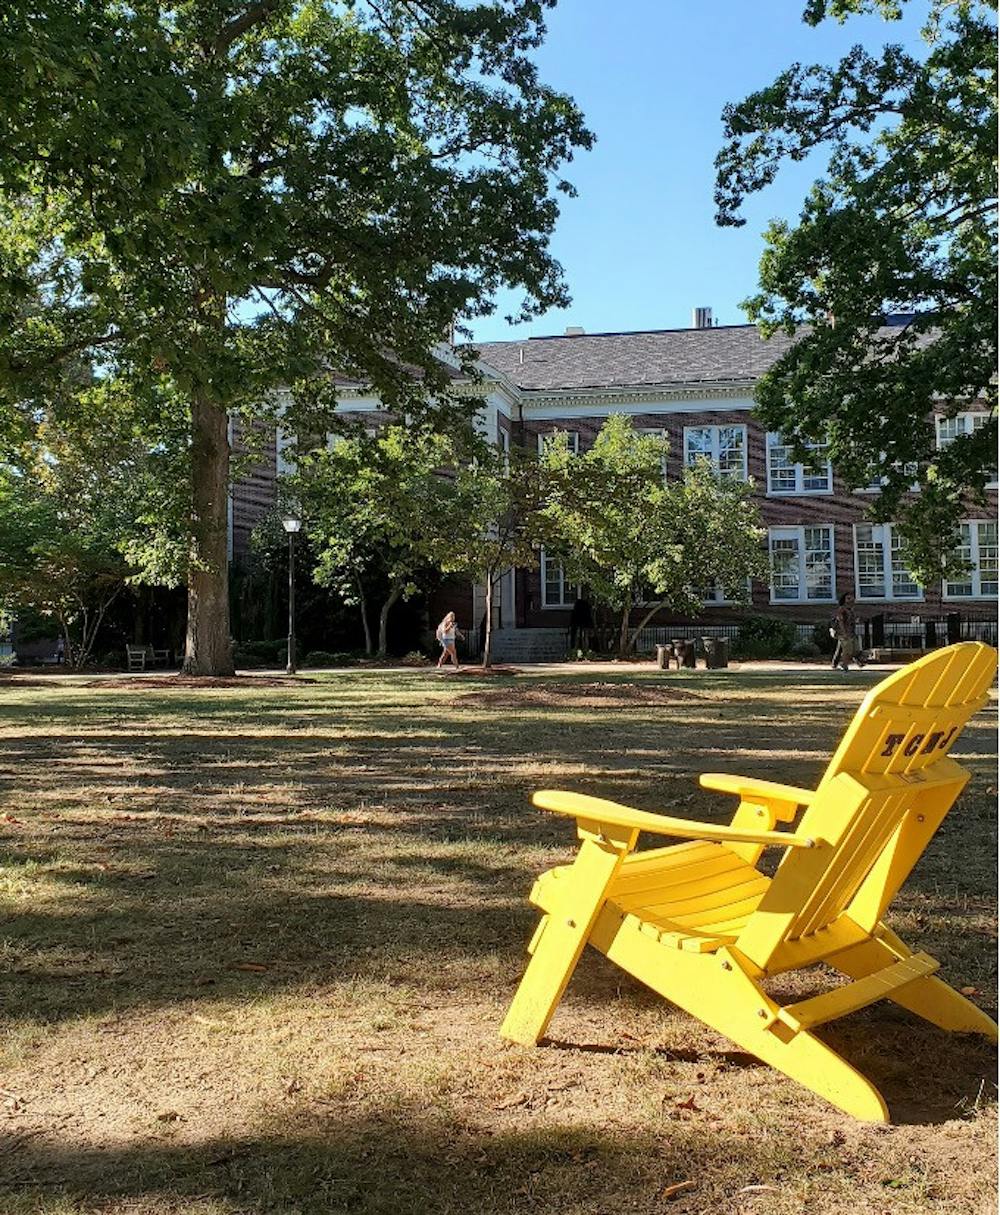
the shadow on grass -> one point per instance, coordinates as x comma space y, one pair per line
387, 1162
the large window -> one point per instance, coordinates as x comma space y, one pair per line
802, 564
655, 432
557, 592
878, 563
978, 548
786, 476
572, 436
950, 429
725, 448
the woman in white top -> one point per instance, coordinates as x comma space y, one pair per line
446, 634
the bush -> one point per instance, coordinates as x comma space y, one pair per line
250, 662
323, 658
806, 649
269, 651
764, 637
414, 659
822, 639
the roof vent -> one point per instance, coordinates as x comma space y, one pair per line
574, 331
701, 318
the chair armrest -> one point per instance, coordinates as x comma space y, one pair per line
750, 789
596, 809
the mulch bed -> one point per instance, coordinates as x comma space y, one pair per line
579, 696
161, 682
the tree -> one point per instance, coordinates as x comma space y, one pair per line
904, 222
498, 521
214, 200
378, 507
60, 554
637, 541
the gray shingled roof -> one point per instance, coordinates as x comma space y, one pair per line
621, 360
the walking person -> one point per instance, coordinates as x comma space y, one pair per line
446, 633
843, 628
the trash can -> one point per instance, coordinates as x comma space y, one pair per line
664, 653
716, 653
684, 653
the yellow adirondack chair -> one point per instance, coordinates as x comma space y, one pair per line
700, 924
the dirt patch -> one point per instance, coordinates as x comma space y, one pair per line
579, 696
247, 682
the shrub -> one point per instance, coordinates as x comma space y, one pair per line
764, 637
249, 662
414, 659
323, 658
806, 649
269, 651
822, 639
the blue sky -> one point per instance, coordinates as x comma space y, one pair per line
639, 246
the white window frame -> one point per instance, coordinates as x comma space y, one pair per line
799, 471
975, 577
969, 422
572, 435
713, 456
884, 535
799, 535
505, 449
568, 590
721, 600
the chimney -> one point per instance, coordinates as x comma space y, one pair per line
574, 331
701, 318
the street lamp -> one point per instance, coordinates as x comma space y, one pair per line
291, 524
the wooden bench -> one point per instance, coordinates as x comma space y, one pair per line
142, 656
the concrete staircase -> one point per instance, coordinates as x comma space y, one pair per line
530, 645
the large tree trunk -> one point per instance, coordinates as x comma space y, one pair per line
207, 649
383, 619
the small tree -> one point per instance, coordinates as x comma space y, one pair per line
60, 554
377, 506
498, 522
635, 540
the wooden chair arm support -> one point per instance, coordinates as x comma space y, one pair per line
749, 789
597, 810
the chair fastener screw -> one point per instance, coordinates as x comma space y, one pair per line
920, 818
727, 966
571, 923
762, 1012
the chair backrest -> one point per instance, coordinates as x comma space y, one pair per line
888, 786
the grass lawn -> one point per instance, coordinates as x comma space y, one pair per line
258, 942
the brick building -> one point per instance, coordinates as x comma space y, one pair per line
695, 386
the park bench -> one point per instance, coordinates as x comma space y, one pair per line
701, 925
142, 656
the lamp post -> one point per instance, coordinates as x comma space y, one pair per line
291, 524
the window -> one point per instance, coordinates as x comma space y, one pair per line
557, 592
725, 448
949, 429
978, 548
801, 564
785, 476
572, 436
878, 564
724, 595
505, 449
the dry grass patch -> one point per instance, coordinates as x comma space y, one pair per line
258, 943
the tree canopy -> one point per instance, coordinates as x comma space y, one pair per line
206, 201
904, 223
636, 540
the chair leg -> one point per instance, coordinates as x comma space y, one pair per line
560, 939
930, 997
717, 990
